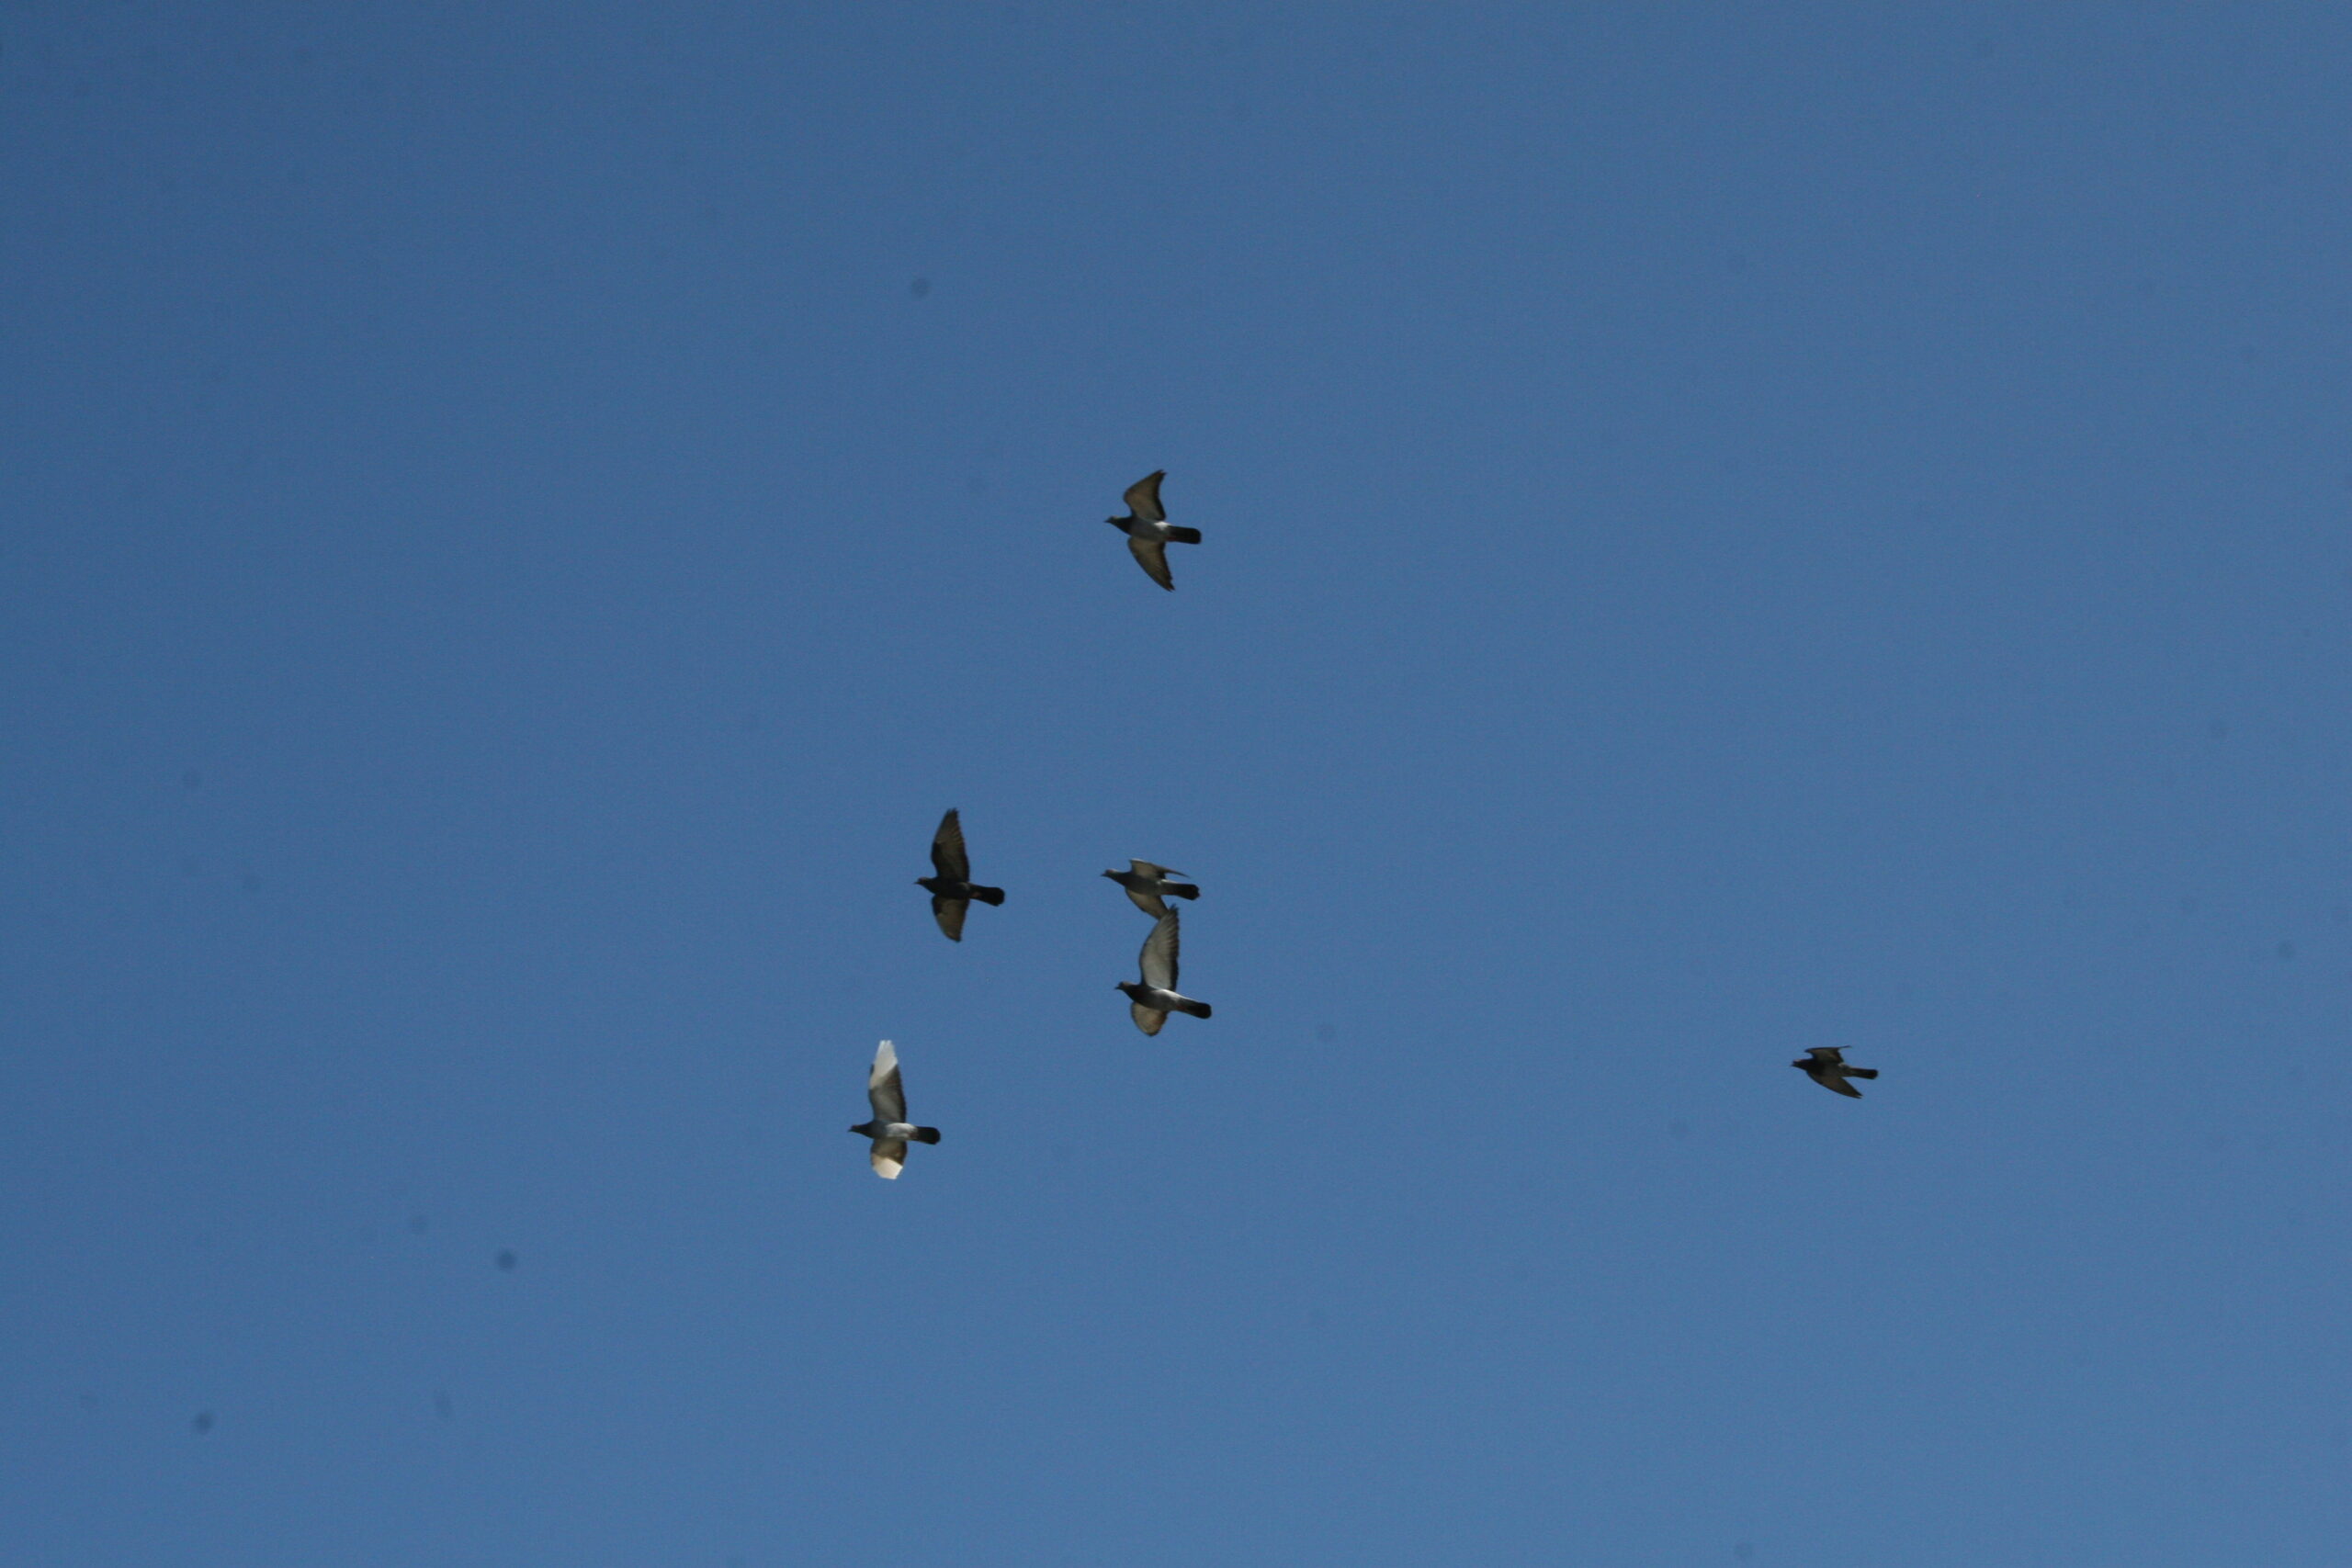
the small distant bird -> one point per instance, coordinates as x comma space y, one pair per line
1826, 1065
952, 889
1146, 882
1149, 530
1157, 998
890, 1130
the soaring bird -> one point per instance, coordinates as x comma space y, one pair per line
1826, 1065
1157, 998
1146, 882
952, 889
890, 1130
1149, 530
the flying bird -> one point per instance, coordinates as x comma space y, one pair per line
1157, 998
890, 1130
1146, 882
1149, 530
1826, 1065
951, 887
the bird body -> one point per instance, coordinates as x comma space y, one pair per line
1826, 1065
1148, 531
1145, 883
889, 1129
1150, 1002
951, 886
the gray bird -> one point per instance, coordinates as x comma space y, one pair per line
1146, 882
1149, 530
1826, 1065
890, 1130
952, 889
1152, 1001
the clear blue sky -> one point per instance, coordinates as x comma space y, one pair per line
1729, 528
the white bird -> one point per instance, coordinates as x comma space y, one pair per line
1151, 1002
890, 1130
1148, 531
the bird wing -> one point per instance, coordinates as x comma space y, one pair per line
1152, 556
1148, 1020
1836, 1081
1825, 1056
1143, 496
883, 1090
890, 1157
949, 913
947, 856
1144, 868
1159, 956
1149, 903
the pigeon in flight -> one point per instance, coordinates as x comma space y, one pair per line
1146, 882
1149, 530
1157, 996
952, 889
1826, 1065
890, 1130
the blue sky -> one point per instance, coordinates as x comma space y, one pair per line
1727, 529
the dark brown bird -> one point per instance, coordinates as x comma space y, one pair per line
1826, 1065
1148, 531
951, 886
1146, 882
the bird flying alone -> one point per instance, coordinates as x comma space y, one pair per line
1146, 882
890, 1130
1826, 1065
1148, 531
1152, 1001
950, 885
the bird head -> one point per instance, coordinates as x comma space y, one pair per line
1112, 874
1805, 1061
1120, 523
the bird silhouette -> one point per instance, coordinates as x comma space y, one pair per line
1148, 531
1146, 882
951, 887
1826, 1065
1152, 1001
890, 1130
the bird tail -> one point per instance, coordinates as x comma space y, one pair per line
1861, 1072
1185, 536
925, 1134
1182, 890
988, 895
1187, 1005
